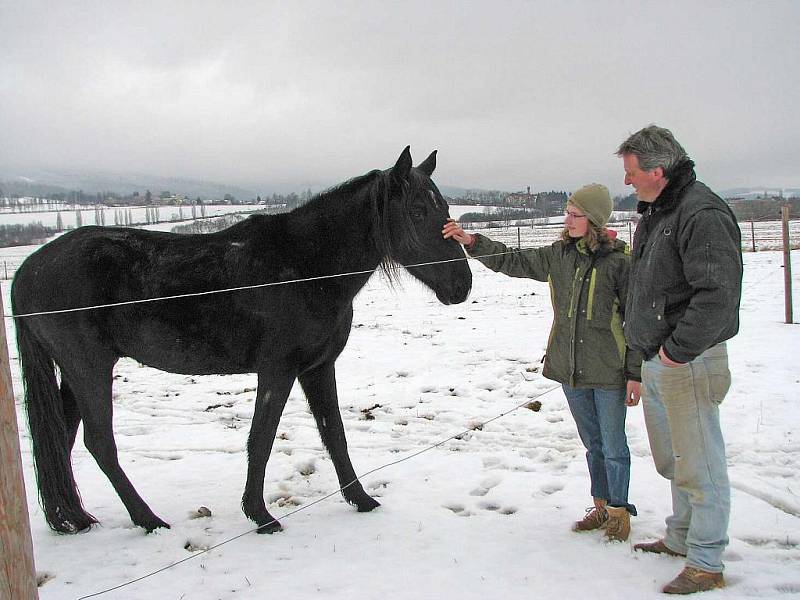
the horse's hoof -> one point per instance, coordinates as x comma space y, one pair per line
151, 526
85, 527
78, 523
271, 526
367, 504
68, 527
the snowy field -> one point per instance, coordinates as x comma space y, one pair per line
485, 514
138, 214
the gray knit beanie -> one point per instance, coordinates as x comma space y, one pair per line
594, 201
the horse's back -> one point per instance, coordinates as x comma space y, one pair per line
208, 333
115, 264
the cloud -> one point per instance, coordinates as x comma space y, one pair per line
511, 93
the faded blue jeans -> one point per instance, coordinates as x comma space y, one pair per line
600, 417
681, 411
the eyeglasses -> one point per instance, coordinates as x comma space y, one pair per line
574, 215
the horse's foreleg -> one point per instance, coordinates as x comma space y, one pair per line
273, 390
320, 389
92, 394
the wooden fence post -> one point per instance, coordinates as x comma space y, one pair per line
753, 234
17, 570
787, 265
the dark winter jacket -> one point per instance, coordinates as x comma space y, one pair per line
686, 276
586, 348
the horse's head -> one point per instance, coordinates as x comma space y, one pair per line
413, 215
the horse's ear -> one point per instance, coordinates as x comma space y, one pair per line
428, 165
402, 167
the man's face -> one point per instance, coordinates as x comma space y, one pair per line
648, 184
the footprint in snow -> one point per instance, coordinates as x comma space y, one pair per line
497, 508
550, 488
376, 488
486, 485
458, 509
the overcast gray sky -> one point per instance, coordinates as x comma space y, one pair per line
312, 93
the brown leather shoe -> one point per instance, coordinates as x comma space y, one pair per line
595, 518
692, 580
618, 526
657, 547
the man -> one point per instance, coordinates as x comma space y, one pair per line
683, 303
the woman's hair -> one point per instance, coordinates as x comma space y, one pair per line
596, 238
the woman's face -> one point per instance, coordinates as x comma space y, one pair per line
576, 223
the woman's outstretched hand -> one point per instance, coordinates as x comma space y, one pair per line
453, 230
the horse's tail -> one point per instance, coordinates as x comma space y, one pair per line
58, 492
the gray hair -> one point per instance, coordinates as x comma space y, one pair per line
654, 147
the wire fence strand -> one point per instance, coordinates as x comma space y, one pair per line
245, 287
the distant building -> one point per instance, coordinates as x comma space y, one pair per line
521, 199
547, 203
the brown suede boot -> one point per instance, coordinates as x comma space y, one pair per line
657, 547
618, 526
692, 580
595, 517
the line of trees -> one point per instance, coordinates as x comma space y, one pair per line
479, 197
626, 203
765, 210
24, 235
500, 214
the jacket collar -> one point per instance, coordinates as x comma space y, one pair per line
679, 178
615, 246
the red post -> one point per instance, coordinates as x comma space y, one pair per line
17, 570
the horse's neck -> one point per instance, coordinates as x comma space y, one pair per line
336, 237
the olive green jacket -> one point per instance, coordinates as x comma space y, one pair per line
587, 347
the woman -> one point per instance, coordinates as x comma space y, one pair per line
588, 274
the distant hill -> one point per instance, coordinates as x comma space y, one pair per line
753, 193
451, 191
44, 182
41, 182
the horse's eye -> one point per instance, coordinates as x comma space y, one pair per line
418, 211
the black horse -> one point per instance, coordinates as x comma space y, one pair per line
294, 330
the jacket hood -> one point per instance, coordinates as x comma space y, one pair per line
679, 177
616, 245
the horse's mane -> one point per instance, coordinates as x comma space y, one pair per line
373, 188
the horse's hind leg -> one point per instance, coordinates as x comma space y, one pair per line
72, 416
320, 389
273, 390
92, 394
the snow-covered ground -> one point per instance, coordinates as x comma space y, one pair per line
483, 515
138, 214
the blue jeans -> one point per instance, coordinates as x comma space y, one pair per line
681, 411
600, 417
